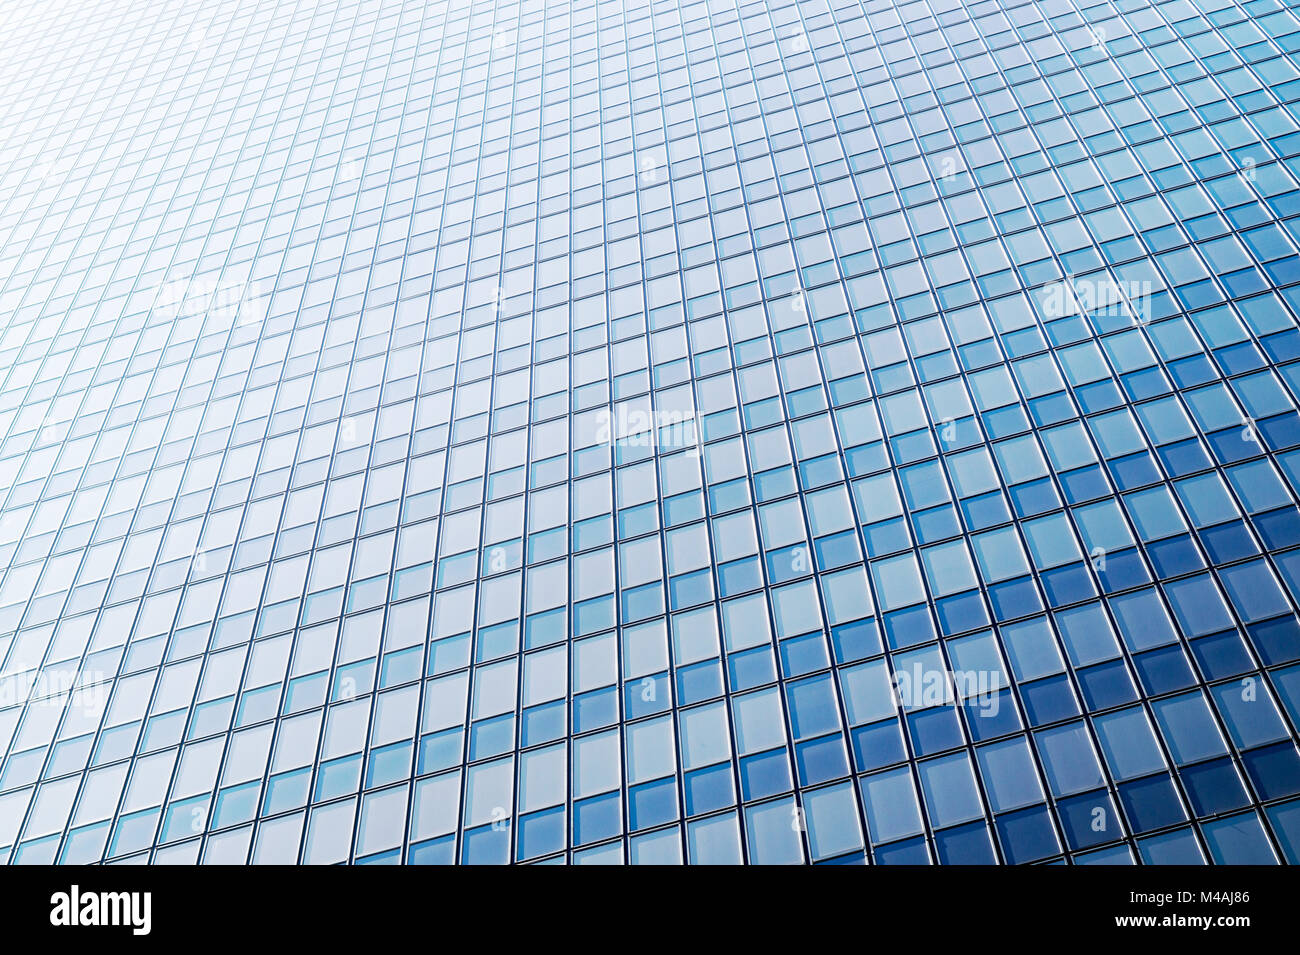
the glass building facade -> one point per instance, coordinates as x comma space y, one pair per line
705, 432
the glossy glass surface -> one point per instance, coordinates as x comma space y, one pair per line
714, 432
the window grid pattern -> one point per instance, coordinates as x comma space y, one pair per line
714, 432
